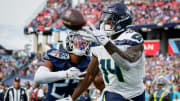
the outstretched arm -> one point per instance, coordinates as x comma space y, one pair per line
92, 71
45, 73
124, 59
132, 54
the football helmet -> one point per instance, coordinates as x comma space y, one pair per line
115, 18
75, 44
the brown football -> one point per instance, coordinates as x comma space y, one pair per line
73, 19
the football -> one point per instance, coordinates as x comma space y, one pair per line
73, 19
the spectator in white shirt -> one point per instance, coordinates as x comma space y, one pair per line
37, 94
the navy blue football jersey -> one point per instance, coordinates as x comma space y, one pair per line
61, 61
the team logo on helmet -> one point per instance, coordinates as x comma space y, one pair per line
76, 44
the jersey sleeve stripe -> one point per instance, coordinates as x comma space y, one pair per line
126, 42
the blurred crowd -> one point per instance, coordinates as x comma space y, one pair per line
167, 66
32, 66
9, 65
157, 12
50, 14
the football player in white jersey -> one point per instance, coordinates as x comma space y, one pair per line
120, 57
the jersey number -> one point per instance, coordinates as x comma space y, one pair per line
55, 86
106, 67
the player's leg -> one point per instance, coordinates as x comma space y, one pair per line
110, 96
140, 97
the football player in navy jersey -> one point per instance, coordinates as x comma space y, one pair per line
63, 68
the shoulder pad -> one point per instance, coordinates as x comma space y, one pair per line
130, 38
138, 37
57, 54
133, 36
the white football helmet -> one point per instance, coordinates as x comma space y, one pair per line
75, 44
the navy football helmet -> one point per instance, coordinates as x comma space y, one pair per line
75, 44
115, 18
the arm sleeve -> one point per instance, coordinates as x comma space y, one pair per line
44, 75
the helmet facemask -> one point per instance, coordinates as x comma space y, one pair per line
77, 45
107, 24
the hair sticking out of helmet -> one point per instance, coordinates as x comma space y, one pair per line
115, 18
76, 44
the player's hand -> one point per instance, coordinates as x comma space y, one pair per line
66, 99
94, 35
74, 73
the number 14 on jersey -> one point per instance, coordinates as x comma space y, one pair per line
107, 69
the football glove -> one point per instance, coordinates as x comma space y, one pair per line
94, 35
66, 99
74, 73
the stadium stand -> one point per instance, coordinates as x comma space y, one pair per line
11, 64
158, 13
160, 65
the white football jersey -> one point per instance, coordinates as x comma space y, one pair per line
128, 83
